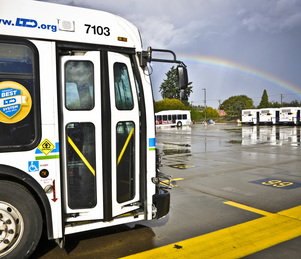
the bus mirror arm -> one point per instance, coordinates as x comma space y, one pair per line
147, 56
162, 181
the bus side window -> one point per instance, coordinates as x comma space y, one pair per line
19, 96
123, 93
184, 116
79, 85
179, 116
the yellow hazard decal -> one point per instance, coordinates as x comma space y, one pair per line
46, 146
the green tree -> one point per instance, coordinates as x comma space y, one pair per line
195, 114
274, 105
264, 103
291, 104
169, 104
234, 104
211, 112
170, 86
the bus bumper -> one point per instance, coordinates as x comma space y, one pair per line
161, 200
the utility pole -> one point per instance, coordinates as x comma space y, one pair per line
281, 96
219, 103
204, 89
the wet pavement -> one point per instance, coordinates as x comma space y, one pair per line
257, 166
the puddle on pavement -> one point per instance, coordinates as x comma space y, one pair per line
202, 139
271, 135
235, 142
176, 148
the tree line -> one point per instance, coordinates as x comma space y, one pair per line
233, 106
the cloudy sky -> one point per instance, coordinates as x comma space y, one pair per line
231, 47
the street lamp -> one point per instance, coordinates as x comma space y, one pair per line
205, 101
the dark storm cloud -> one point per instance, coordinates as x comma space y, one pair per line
261, 34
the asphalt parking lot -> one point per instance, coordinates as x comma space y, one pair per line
236, 194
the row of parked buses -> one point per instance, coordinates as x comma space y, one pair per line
284, 115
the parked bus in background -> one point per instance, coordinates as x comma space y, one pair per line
173, 118
290, 115
77, 130
250, 116
269, 116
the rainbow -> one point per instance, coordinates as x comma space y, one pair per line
226, 64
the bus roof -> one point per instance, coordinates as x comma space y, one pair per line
41, 20
291, 108
270, 109
167, 112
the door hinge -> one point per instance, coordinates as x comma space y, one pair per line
137, 203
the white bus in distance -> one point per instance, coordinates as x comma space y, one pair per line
269, 116
250, 116
173, 118
290, 115
77, 130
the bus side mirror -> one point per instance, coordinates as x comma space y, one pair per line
182, 77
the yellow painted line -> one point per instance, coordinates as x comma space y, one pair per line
244, 207
81, 155
172, 180
236, 241
125, 146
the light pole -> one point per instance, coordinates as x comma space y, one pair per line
204, 89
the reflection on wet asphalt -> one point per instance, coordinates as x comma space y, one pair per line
258, 166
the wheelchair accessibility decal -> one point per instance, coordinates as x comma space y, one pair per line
15, 102
33, 166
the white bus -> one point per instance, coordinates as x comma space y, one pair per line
269, 116
250, 116
77, 131
290, 115
173, 118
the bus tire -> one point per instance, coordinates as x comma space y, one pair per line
179, 124
20, 221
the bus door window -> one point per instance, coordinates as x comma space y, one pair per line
174, 118
80, 137
159, 118
164, 119
81, 164
125, 136
125, 153
169, 118
123, 93
79, 85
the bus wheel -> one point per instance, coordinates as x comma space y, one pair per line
179, 124
20, 221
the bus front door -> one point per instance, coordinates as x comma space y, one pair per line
125, 135
90, 190
81, 142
